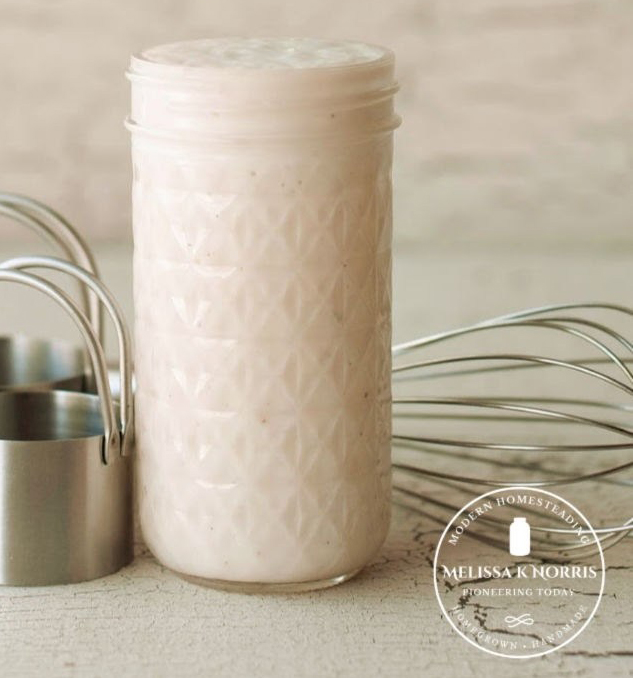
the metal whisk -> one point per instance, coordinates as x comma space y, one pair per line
538, 412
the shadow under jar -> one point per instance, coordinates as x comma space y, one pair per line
262, 282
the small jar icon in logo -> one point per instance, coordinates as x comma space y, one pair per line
520, 537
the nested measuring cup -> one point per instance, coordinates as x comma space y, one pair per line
65, 465
40, 364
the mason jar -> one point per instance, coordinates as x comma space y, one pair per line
262, 208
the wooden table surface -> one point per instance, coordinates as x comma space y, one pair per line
145, 621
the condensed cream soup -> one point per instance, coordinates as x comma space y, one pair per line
262, 285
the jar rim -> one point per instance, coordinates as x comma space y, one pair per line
211, 101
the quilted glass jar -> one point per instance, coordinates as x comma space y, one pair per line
262, 288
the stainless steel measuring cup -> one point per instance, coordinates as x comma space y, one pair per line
43, 364
65, 465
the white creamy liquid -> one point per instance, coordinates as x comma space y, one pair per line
263, 313
263, 53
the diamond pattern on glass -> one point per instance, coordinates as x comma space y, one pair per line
263, 302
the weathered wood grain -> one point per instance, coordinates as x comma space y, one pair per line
146, 621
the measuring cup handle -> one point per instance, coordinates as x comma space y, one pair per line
57, 230
114, 311
112, 434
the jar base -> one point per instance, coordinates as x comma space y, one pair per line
252, 587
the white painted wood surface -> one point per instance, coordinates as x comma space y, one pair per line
144, 621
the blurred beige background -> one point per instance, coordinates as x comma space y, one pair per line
518, 114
